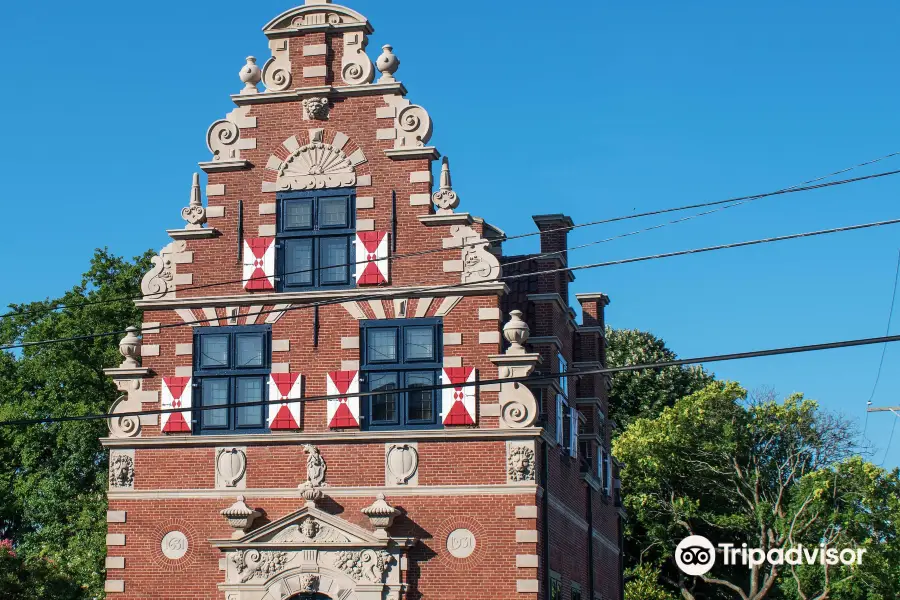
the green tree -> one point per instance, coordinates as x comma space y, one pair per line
53, 478
739, 471
646, 393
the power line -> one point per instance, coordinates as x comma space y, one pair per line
454, 287
884, 349
890, 441
732, 202
526, 379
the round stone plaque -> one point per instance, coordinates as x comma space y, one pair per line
461, 543
174, 545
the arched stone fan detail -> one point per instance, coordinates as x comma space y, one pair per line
316, 165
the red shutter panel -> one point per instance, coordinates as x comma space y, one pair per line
176, 393
343, 412
372, 252
259, 264
458, 403
285, 387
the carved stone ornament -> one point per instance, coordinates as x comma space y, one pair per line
356, 68
231, 466
130, 349
366, 565
159, 282
194, 213
310, 530
516, 332
381, 515
412, 122
520, 463
251, 75
316, 166
121, 470
240, 517
445, 198
174, 545
223, 138
126, 427
479, 264
309, 583
262, 564
401, 463
387, 63
315, 473
276, 73
315, 109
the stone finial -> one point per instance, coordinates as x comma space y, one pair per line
381, 515
130, 349
445, 198
240, 517
387, 63
251, 75
516, 332
195, 212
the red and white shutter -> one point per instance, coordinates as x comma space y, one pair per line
259, 264
458, 403
285, 387
372, 251
176, 393
343, 412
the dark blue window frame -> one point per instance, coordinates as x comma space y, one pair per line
405, 365
302, 226
223, 373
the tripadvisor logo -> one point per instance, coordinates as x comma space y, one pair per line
696, 555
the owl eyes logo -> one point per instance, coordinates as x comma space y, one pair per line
695, 555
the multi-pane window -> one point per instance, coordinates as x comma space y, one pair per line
398, 355
604, 471
555, 587
315, 238
576, 592
566, 415
231, 369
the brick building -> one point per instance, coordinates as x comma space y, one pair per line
325, 263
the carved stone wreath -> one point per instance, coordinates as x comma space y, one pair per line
365, 565
256, 563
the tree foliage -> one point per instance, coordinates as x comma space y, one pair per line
766, 473
53, 478
637, 394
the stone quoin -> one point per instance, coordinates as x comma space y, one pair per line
319, 185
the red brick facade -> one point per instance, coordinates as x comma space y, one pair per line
501, 507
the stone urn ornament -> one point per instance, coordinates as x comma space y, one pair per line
516, 332
381, 515
387, 63
130, 349
251, 75
240, 517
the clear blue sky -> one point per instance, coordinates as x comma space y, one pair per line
594, 109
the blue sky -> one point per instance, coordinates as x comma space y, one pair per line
595, 109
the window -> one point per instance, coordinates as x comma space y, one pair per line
576, 591
315, 238
573, 431
555, 586
401, 354
231, 368
566, 415
604, 471
561, 406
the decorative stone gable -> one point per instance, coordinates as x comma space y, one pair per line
311, 550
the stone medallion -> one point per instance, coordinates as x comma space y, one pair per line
174, 545
461, 543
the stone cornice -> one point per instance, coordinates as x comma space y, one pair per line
334, 492
193, 234
343, 91
429, 152
490, 288
225, 166
320, 437
446, 219
595, 297
545, 339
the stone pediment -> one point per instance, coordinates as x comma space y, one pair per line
315, 15
308, 527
